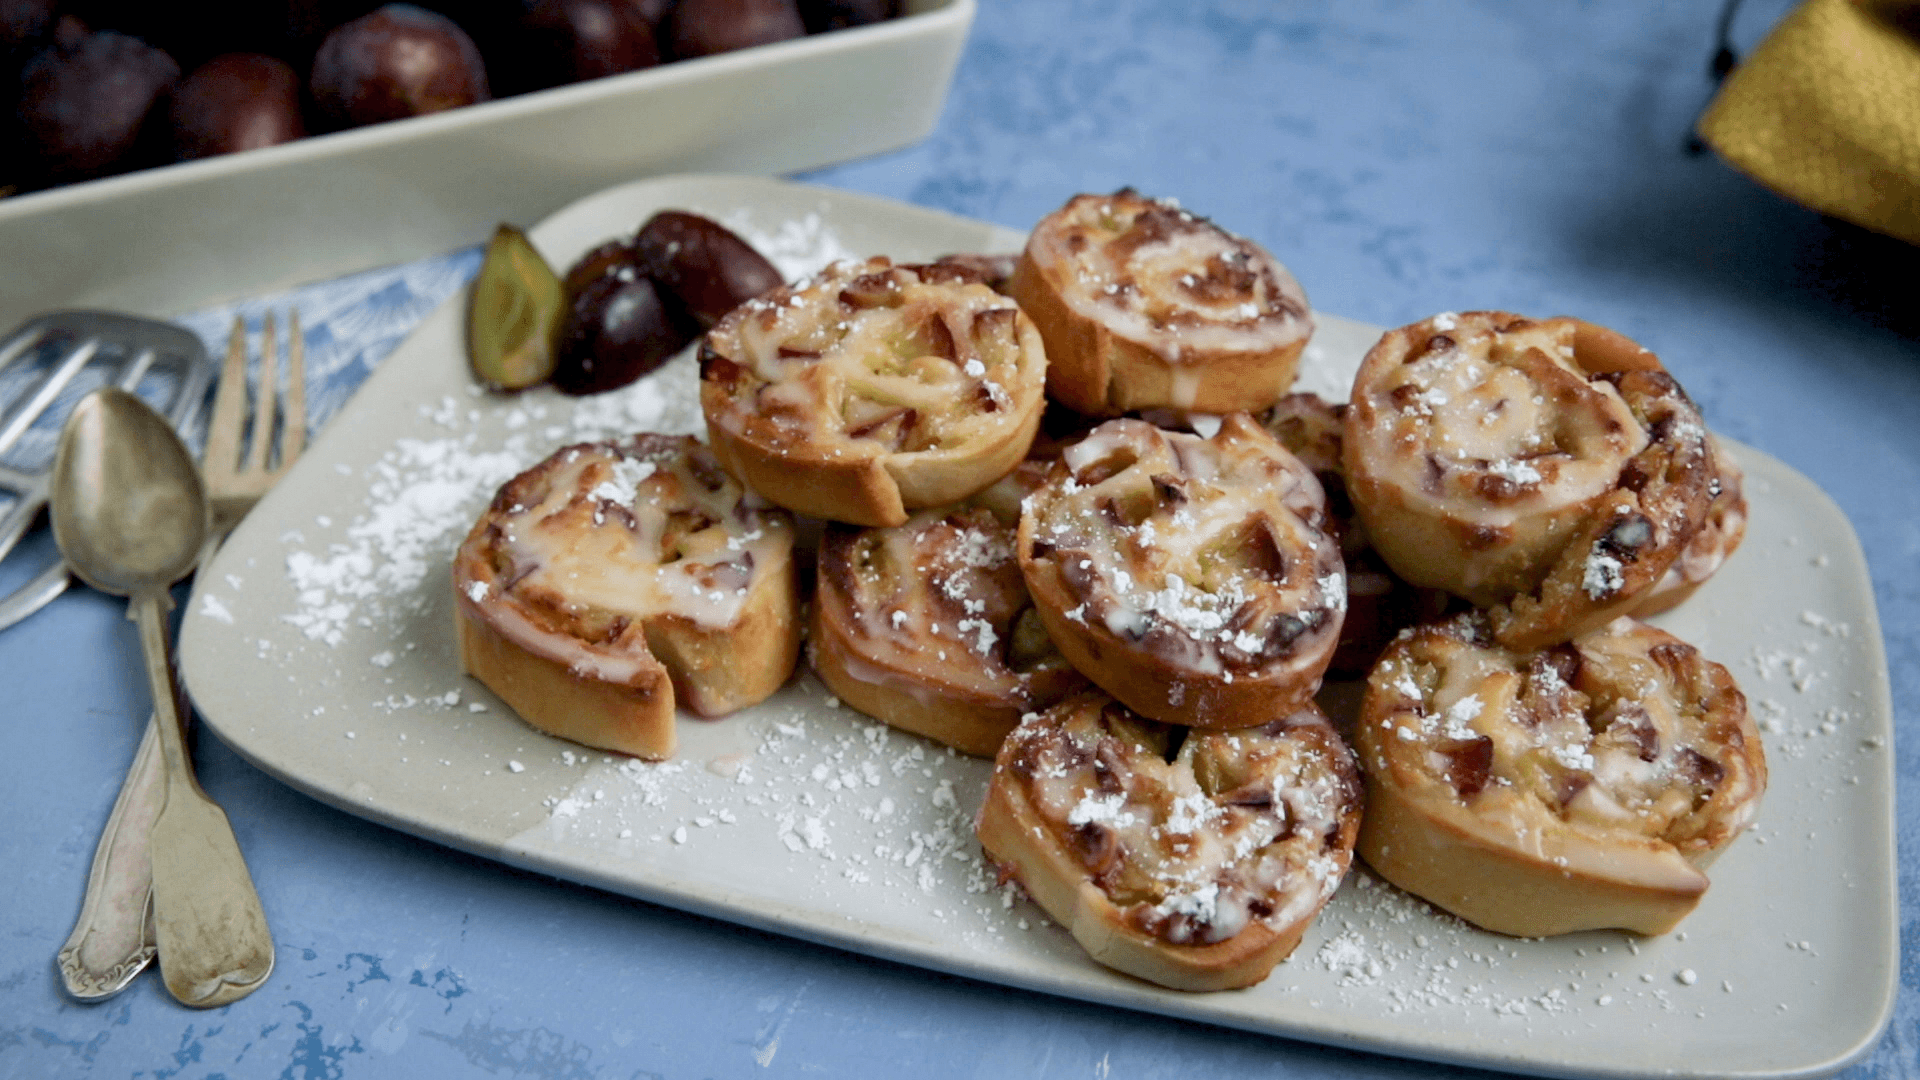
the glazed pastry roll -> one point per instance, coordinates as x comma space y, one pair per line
927, 626
1144, 305
1379, 603
1190, 578
1195, 860
1575, 788
872, 390
1550, 470
1718, 538
616, 579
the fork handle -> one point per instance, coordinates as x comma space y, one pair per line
114, 937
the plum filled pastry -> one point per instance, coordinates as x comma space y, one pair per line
615, 580
1190, 578
1579, 787
1145, 305
927, 626
872, 390
1551, 471
1192, 859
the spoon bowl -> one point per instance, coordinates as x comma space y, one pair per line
131, 511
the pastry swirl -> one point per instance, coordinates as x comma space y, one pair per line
1575, 788
617, 578
871, 390
1143, 304
1718, 538
1195, 860
927, 626
1379, 603
1550, 470
1188, 577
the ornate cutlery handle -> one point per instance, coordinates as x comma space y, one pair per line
114, 936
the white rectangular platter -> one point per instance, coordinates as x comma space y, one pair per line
319, 646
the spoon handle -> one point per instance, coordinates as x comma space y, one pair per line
113, 939
213, 939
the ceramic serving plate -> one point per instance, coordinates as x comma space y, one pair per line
319, 645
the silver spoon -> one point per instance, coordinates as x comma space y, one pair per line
130, 513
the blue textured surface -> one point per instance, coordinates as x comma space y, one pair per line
1402, 159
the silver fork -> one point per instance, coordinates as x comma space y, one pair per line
125, 350
114, 937
235, 485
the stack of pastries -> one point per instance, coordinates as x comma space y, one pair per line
1077, 524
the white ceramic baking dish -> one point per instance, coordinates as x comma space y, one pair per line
170, 239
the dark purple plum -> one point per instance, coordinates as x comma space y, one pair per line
706, 27
85, 105
707, 269
236, 101
396, 62
566, 41
616, 329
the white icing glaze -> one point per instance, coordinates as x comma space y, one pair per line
1628, 750
636, 530
1477, 404
1148, 560
1178, 283
838, 360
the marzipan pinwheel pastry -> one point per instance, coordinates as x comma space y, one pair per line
1379, 603
615, 579
927, 626
1718, 538
872, 390
1576, 788
1145, 305
1195, 860
1550, 470
1190, 578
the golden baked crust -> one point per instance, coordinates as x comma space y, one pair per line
1192, 860
1550, 470
1576, 788
872, 390
927, 626
1188, 577
615, 579
1143, 304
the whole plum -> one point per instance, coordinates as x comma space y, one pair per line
823, 15
568, 41
238, 101
85, 103
706, 27
702, 264
616, 329
611, 257
396, 62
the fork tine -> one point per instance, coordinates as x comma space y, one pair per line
229, 404
294, 438
261, 438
